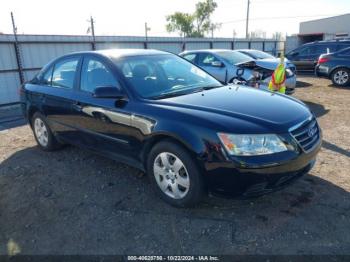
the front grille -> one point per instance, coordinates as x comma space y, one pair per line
307, 134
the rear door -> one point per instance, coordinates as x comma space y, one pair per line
302, 58
56, 95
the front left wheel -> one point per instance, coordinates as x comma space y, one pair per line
175, 175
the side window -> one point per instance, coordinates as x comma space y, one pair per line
318, 49
47, 77
190, 57
95, 74
207, 59
304, 51
64, 73
323, 49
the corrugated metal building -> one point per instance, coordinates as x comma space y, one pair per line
320, 29
326, 28
34, 51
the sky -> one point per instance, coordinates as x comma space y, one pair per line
127, 17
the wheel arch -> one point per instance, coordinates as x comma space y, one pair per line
338, 67
195, 147
30, 113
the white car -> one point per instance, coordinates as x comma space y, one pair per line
232, 66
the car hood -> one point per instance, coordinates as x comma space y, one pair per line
271, 111
272, 63
267, 63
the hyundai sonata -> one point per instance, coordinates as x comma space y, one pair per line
165, 116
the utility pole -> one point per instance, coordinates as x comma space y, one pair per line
247, 21
146, 34
92, 27
18, 54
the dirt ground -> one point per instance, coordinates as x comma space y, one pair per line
74, 202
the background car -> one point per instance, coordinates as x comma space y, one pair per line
224, 65
305, 57
165, 116
335, 66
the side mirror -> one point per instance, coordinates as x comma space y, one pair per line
108, 92
240, 72
217, 64
294, 53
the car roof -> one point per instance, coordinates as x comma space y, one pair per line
207, 51
327, 42
117, 53
248, 50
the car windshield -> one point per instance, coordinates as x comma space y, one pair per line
256, 54
161, 76
234, 57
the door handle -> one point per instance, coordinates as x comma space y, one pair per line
77, 106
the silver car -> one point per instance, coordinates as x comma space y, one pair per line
236, 66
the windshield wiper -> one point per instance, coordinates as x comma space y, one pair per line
205, 88
168, 95
185, 92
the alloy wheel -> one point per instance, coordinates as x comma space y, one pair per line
341, 77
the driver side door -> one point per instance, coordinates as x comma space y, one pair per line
104, 124
213, 66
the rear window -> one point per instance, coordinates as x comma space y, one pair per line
64, 73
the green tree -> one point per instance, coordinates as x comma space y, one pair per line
181, 22
194, 25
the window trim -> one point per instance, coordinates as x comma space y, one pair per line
195, 57
50, 67
107, 65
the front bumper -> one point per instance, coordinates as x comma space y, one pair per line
250, 180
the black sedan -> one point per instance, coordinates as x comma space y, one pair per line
335, 66
159, 113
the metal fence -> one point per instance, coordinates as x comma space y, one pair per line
21, 60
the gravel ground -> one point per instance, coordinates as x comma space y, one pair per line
74, 202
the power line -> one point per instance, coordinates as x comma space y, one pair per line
276, 17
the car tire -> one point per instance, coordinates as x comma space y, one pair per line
341, 77
178, 181
43, 134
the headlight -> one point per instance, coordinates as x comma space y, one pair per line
249, 145
289, 72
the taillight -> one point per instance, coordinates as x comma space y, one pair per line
322, 60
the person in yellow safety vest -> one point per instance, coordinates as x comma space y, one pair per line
278, 78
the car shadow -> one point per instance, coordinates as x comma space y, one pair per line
335, 148
318, 109
302, 84
339, 87
74, 202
